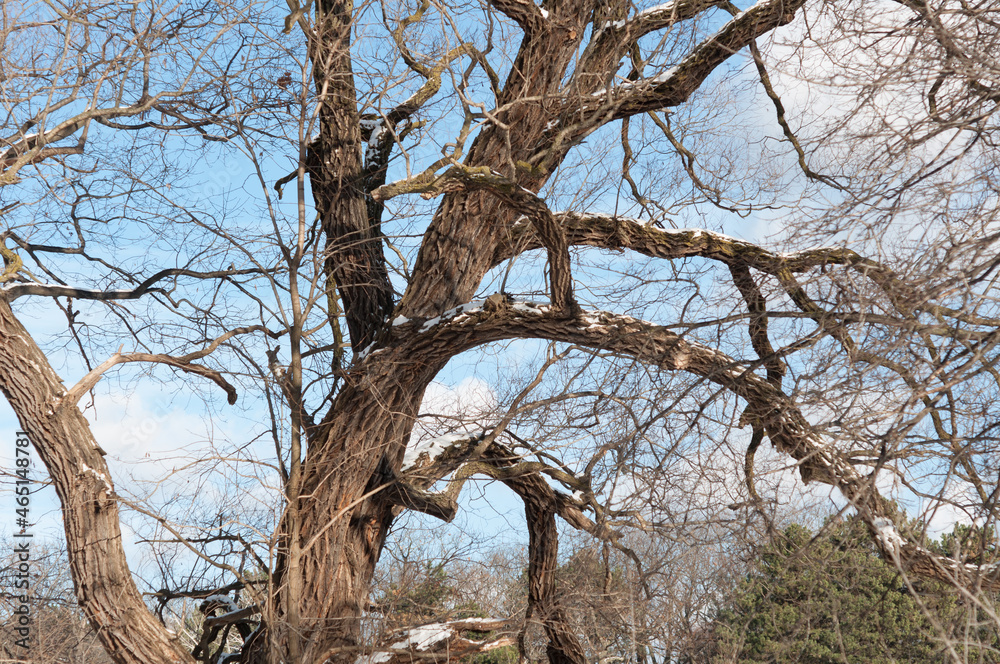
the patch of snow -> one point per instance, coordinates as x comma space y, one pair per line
545, 13
84, 468
226, 601
374, 658
89, 291
477, 621
374, 140
455, 315
422, 638
530, 308
433, 447
669, 7
888, 534
22, 139
400, 320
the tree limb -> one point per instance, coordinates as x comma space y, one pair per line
184, 363
523, 12
614, 232
767, 406
15, 290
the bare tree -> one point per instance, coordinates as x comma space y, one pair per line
672, 353
58, 630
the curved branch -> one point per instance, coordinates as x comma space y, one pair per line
767, 406
523, 12
612, 40
104, 585
33, 148
583, 113
524, 201
616, 233
184, 363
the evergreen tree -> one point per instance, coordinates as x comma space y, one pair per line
829, 597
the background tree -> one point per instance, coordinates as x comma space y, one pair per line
828, 596
59, 631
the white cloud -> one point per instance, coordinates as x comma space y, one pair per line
470, 405
142, 425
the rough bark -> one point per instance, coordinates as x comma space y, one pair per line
345, 507
360, 445
354, 260
340, 513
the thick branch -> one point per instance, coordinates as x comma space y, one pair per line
523, 201
354, 258
584, 111
543, 562
612, 39
767, 406
757, 306
672, 87
612, 232
523, 12
104, 584
439, 505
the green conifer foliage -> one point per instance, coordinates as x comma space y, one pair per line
829, 597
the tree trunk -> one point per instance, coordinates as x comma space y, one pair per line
65, 444
345, 513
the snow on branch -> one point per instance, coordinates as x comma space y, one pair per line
424, 452
440, 642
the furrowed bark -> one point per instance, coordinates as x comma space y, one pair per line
65, 444
543, 561
346, 505
452, 261
354, 258
454, 254
613, 232
357, 451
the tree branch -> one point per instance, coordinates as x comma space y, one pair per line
767, 406
583, 111
523, 201
184, 363
614, 232
613, 39
523, 12
16, 290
